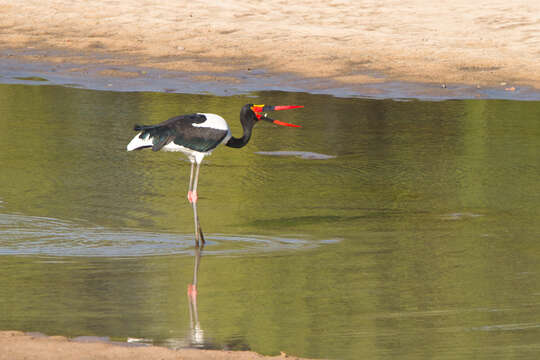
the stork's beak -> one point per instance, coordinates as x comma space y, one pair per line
260, 109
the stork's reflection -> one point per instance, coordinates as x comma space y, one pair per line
197, 334
197, 337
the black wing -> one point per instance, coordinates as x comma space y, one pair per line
181, 131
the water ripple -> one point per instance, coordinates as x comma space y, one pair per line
300, 154
508, 327
30, 235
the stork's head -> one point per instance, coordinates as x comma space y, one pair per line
259, 112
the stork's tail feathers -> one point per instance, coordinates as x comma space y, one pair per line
154, 136
143, 127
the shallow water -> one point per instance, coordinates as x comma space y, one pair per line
381, 229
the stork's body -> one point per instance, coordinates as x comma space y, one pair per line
197, 135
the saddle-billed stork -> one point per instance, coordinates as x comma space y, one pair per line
196, 135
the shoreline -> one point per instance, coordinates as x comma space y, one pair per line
399, 49
100, 72
17, 345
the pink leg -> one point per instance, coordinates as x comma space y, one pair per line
192, 196
192, 193
192, 291
193, 181
189, 194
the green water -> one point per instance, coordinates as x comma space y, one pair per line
418, 238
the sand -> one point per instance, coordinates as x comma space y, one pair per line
488, 43
15, 345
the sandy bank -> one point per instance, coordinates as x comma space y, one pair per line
491, 43
16, 345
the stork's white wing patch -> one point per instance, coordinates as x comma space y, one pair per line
213, 121
137, 142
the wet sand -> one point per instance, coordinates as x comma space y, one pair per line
15, 345
493, 43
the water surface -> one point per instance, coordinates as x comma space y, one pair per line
381, 229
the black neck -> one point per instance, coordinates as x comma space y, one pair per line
241, 142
